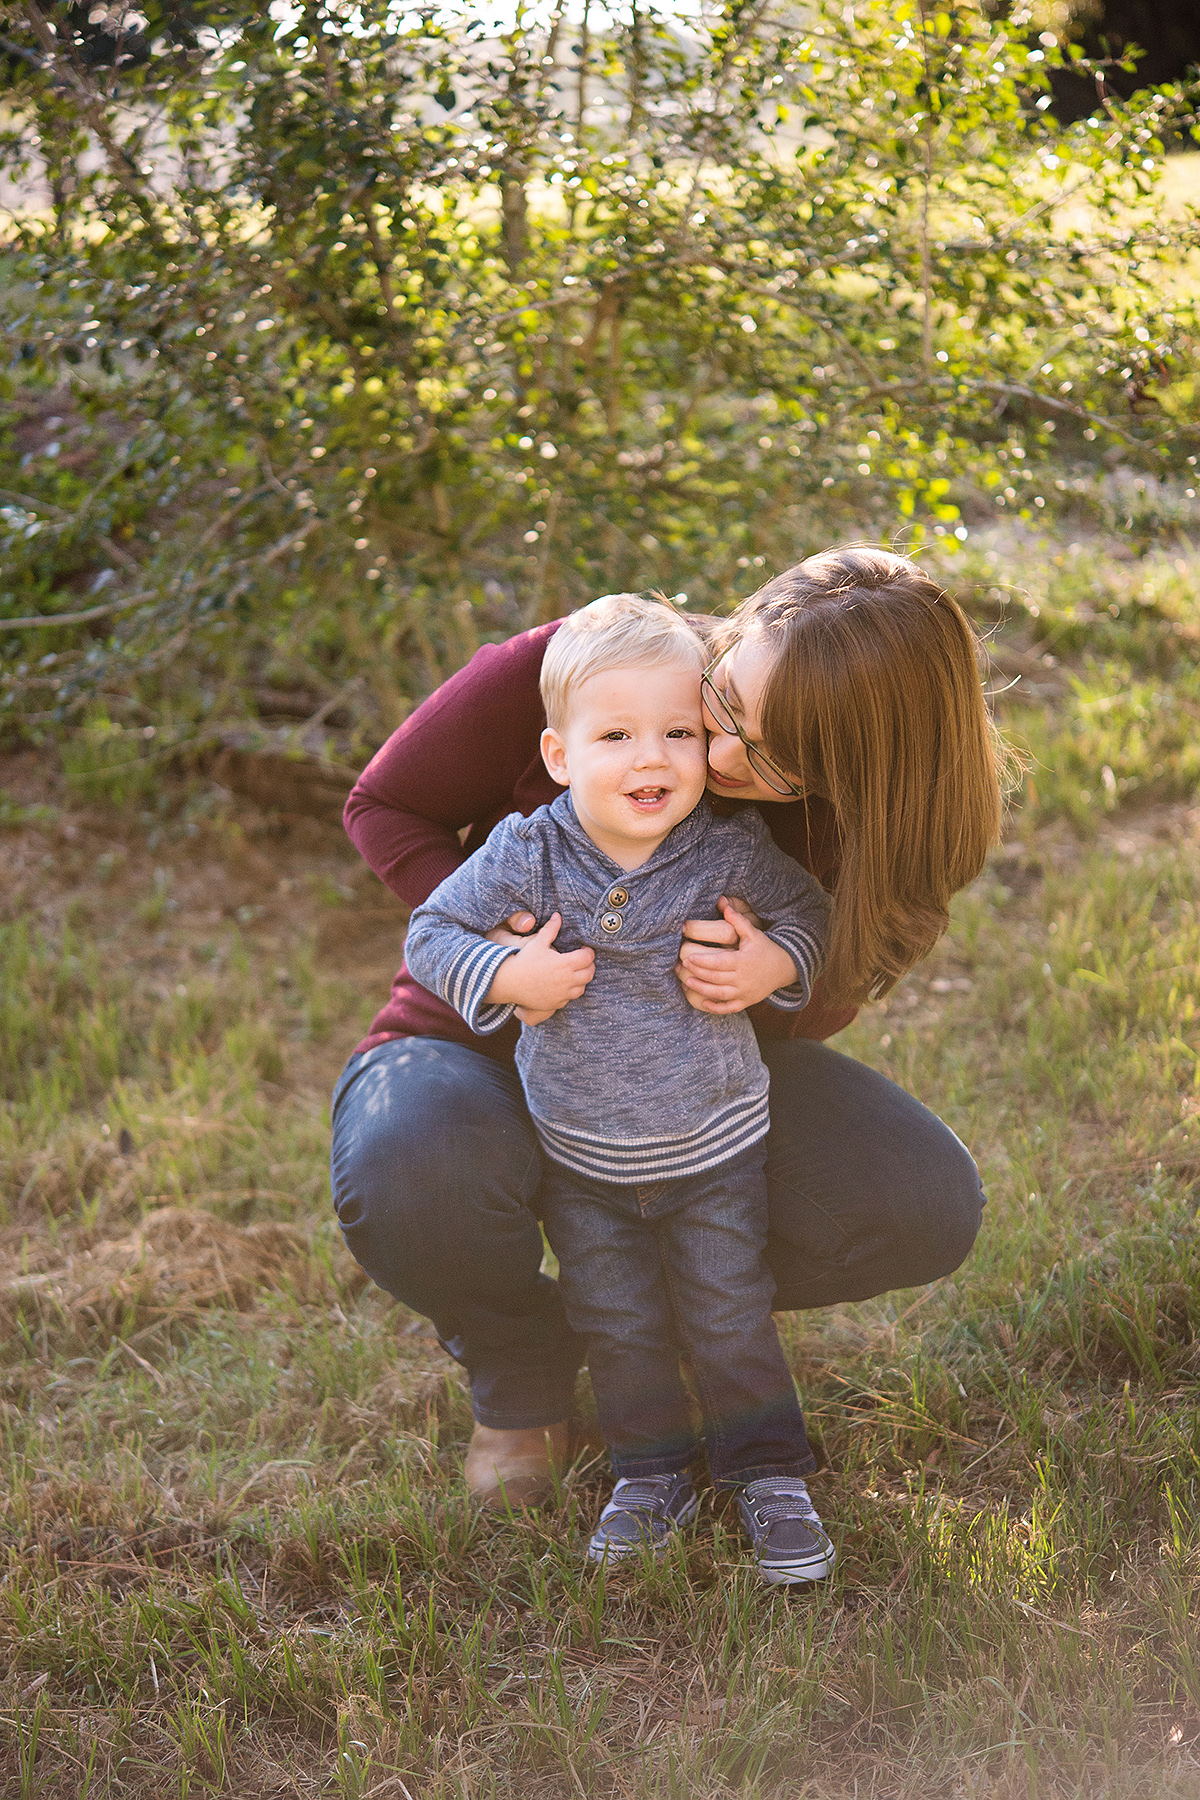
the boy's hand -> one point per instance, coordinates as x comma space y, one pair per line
730, 980
540, 980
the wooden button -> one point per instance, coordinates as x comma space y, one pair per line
618, 897
610, 922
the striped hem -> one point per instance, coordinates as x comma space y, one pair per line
659, 1159
467, 980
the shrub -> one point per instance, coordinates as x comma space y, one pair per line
375, 335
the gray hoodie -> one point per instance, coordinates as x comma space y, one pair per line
628, 1083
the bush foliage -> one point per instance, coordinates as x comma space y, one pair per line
344, 338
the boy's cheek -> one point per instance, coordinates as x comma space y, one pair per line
697, 771
692, 752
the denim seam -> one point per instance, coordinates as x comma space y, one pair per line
713, 1438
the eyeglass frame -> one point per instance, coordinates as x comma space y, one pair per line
754, 755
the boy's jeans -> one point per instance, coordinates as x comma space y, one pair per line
647, 1272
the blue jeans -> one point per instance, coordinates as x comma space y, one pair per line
437, 1176
647, 1272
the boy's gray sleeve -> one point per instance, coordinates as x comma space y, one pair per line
795, 908
445, 948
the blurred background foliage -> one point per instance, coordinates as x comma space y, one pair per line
342, 338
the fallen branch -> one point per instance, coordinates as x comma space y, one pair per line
78, 618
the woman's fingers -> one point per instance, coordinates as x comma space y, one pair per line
700, 1003
710, 931
708, 962
694, 958
513, 931
708, 986
741, 919
721, 933
706, 980
742, 907
500, 934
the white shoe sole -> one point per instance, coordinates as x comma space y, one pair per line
813, 1567
604, 1551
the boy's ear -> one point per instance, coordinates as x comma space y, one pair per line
554, 755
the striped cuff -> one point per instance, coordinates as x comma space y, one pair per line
805, 950
467, 981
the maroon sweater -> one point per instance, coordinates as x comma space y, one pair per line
466, 758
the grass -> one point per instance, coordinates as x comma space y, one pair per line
236, 1554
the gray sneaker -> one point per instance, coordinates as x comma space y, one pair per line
645, 1510
790, 1544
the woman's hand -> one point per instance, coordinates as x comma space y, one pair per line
539, 979
728, 980
513, 930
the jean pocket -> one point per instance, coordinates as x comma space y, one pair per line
650, 1196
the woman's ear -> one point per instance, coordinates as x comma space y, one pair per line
554, 755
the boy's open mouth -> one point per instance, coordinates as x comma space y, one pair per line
647, 797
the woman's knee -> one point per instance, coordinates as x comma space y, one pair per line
869, 1189
952, 1205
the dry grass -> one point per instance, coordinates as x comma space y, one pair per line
236, 1558
177, 1261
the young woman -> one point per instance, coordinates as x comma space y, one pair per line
844, 700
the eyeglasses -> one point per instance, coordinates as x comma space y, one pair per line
758, 759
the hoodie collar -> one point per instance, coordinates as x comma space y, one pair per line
679, 841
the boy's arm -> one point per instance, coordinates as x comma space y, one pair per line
446, 949
795, 909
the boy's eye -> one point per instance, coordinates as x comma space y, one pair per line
614, 737
681, 731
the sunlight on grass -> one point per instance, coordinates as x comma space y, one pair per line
237, 1553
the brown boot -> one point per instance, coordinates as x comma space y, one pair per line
514, 1468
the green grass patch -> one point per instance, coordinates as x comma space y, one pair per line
1097, 668
235, 1553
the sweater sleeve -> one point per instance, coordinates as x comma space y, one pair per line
795, 909
456, 760
445, 948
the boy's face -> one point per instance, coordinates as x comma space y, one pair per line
634, 754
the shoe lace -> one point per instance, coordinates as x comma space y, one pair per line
641, 1493
772, 1499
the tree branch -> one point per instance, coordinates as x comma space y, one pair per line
77, 618
122, 165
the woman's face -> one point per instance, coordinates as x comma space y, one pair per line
740, 678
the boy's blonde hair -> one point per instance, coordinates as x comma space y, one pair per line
618, 631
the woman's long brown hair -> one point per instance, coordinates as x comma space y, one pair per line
875, 701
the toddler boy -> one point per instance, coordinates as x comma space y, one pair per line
652, 1114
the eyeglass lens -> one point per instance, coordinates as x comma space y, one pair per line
766, 771
718, 709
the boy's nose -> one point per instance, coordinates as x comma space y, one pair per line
651, 755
